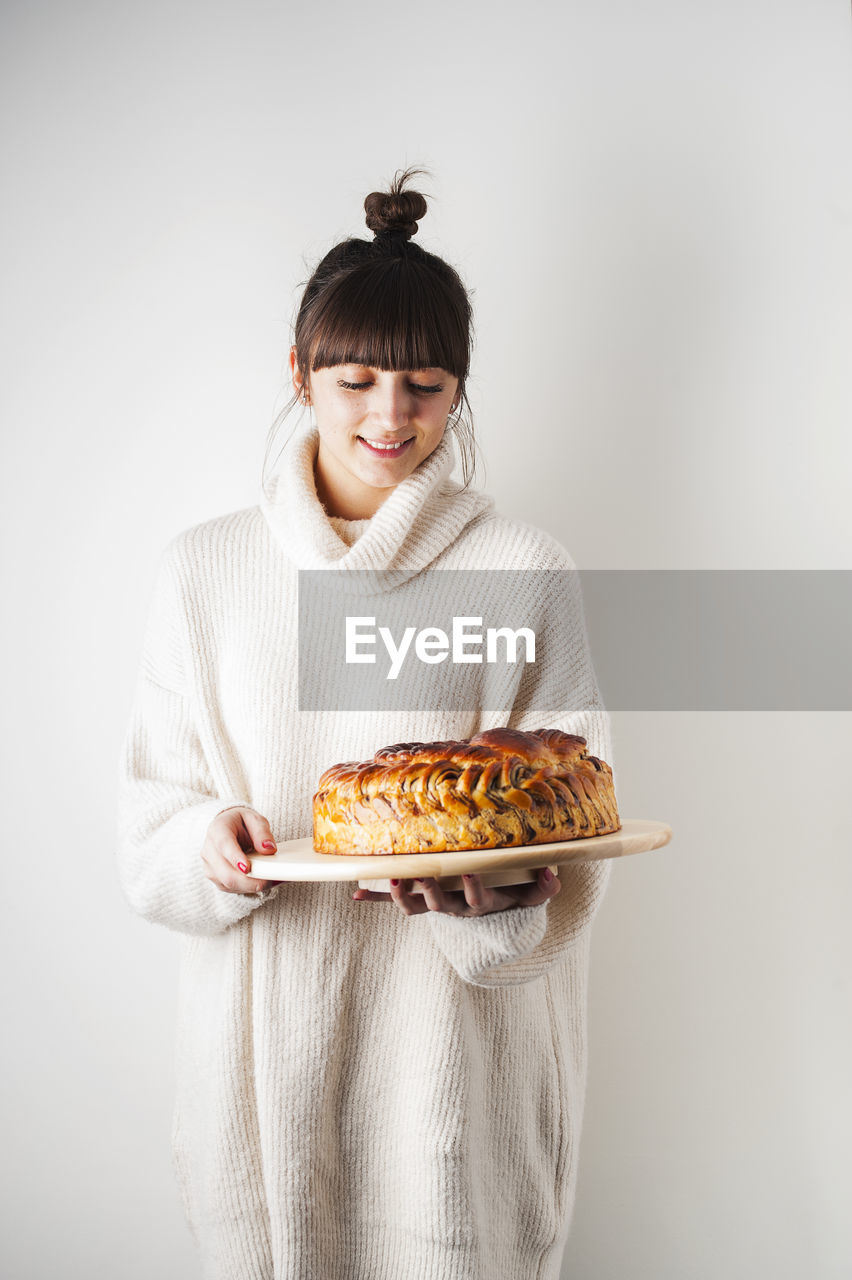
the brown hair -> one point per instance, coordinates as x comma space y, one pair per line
389, 304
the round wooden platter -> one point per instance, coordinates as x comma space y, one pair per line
297, 859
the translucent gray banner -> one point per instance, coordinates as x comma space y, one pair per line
660, 640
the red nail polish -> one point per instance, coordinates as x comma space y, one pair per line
243, 866
267, 844
394, 882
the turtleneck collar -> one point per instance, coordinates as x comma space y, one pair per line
420, 518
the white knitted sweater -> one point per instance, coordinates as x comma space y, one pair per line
361, 1095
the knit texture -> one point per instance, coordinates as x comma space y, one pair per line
360, 1095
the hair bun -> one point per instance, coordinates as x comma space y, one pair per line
395, 212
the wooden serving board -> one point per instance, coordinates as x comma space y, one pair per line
297, 859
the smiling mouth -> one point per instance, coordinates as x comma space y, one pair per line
385, 450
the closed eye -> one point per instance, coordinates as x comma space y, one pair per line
415, 386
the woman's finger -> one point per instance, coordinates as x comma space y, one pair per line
370, 895
479, 899
259, 832
546, 885
451, 902
231, 876
239, 831
233, 836
411, 904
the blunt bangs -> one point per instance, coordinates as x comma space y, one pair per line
394, 314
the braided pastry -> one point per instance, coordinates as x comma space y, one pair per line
497, 789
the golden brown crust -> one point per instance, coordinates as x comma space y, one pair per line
500, 788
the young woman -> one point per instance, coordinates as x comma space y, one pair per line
370, 1086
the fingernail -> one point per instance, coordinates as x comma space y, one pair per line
267, 844
548, 874
394, 882
243, 866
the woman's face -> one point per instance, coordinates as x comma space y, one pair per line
358, 410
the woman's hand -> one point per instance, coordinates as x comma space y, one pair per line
476, 899
233, 836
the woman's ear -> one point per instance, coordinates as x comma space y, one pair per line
297, 378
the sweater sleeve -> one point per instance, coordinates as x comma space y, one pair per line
166, 793
511, 947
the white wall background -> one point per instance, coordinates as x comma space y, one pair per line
653, 205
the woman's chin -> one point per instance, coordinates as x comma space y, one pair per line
383, 473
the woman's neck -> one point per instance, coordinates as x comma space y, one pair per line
348, 502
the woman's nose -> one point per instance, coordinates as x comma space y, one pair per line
392, 406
